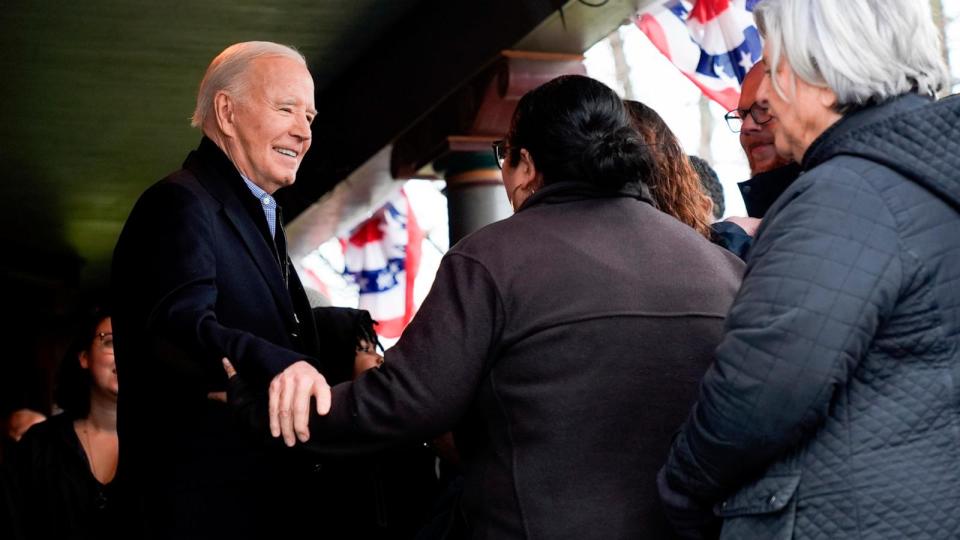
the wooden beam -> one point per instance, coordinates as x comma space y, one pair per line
425, 58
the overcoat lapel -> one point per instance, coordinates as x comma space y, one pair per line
214, 174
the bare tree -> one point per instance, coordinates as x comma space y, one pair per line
936, 7
706, 130
620, 62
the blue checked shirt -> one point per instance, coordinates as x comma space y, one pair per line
268, 203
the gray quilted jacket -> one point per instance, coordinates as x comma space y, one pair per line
832, 409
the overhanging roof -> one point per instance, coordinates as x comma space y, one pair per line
96, 97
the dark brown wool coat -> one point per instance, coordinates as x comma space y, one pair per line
564, 346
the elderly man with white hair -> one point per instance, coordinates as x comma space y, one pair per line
832, 409
200, 273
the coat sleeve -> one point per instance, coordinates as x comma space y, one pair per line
13, 501
165, 277
429, 378
824, 273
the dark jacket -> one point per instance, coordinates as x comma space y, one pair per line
387, 495
831, 410
563, 345
197, 277
760, 192
55, 493
731, 237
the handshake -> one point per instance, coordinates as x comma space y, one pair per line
290, 393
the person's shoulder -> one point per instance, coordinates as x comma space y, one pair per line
182, 182
830, 184
51, 430
178, 190
843, 171
843, 198
487, 239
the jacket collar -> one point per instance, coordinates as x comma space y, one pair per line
827, 144
911, 135
760, 192
562, 192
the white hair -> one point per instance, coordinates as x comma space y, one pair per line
227, 72
865, 51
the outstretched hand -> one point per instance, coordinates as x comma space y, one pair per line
289, 402
289, 399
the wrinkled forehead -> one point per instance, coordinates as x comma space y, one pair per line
280, 74
748, 91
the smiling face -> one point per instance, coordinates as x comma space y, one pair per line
267, 129
99, 360
756, 139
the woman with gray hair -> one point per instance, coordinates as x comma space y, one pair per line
831, 409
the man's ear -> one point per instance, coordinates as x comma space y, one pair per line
84, 359
224, 107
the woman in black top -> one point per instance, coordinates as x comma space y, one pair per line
64, 466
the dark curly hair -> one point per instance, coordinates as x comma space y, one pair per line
674, 184
72, 392
710, 183
576, 129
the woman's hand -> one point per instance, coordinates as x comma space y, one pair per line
228, 367
247, 407
231, 373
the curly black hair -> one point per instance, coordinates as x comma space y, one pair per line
710, 183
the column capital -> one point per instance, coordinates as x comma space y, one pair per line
477, 167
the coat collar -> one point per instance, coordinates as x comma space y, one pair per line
910, 134
217, 174
561, 192
760, 192
833, 139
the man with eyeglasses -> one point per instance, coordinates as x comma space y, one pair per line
770, 173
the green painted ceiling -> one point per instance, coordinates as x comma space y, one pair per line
95, 97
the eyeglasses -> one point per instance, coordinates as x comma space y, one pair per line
500, 151
106, 340
759, 113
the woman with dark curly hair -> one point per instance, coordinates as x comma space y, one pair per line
674, 183
64, 465
560, 345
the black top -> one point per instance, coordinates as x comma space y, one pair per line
57, 494
761, 191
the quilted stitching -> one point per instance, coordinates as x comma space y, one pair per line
841, 349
